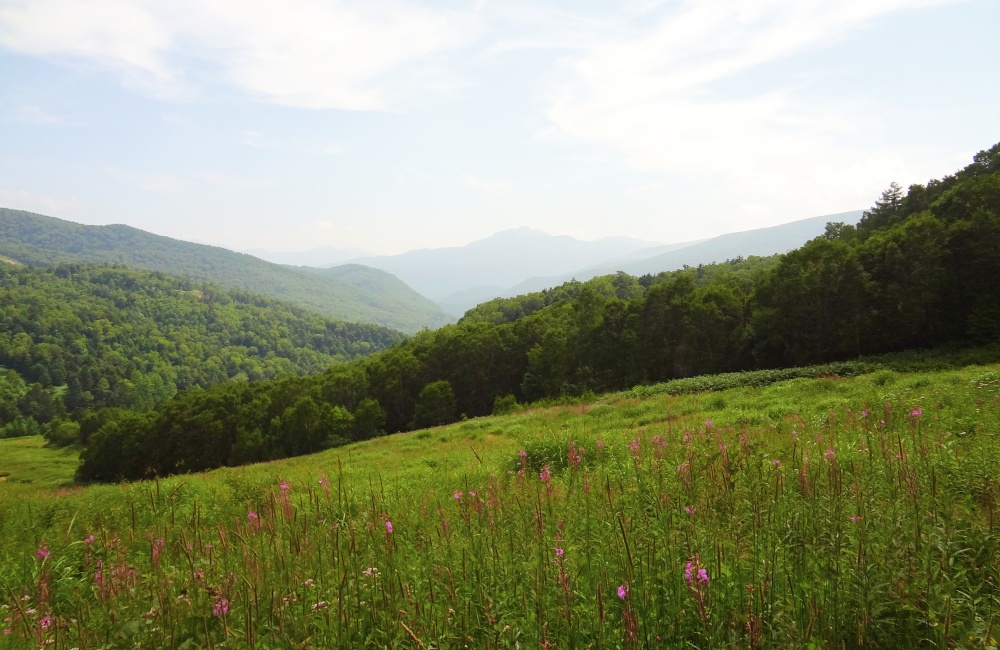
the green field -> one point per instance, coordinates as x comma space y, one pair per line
821, 512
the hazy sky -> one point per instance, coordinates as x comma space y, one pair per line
389, 125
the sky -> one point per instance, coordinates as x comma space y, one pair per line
391, 125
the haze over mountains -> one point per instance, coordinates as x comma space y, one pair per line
524, 260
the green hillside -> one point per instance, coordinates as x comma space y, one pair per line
39, 240
818, 512
917, 272
75, 337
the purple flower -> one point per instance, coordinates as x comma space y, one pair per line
856, 518
600, 444
458, 496
45, 623
89, 540
829, 453
634, 445
284, 486
42, 553
623, 591
776, 462
545, 474
690, 510
688, 572
388, 527
916, 412
703, 576
252, 516
559, 551
523, 454
221, 607
708, 424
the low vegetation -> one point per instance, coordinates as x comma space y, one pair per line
813, 512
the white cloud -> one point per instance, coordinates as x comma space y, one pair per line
478, 183
306, 53
35, 115
662, 98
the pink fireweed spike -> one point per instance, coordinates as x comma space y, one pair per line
388, 527
623, 591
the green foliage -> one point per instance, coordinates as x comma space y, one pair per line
354, 293
78, 337
435, 405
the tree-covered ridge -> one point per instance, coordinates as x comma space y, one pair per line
923, 276
75, 337
369, 296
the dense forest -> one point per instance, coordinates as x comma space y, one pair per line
919, 270
77, 337
351, 293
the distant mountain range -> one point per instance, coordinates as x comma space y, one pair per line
483, 269
760, 242
519, 261
357, 294
321, 256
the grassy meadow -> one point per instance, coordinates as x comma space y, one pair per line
811, 513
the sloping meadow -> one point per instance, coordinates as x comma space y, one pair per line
832, 512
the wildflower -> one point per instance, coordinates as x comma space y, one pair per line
472, 495
458, 496
829, 453
623, 591
864, 414
89, 540
776, 463
856, 518
6, 632
370, 572
252, 516
545, 475
703, 576
221, 607
523, 454
690, 510
45, 623
708, 423
320, 605
284, 486
688, 572
634, 446
916, 412
559, 552
388, 527
42, 553
600, 444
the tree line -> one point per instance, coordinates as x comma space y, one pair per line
918, 270
77, 337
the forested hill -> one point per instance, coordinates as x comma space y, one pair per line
919, 270
372, 296
74, 337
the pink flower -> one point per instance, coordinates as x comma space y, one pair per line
856, 518
690, 510
864, 414
776, 462
388, 527
89, 540
458, 496
703, 576
829, 453
284, 486
634, 445
559, 551
45, 623
472, 495
42, 553
708, 424
523, 454
623, 591
6, 632
545, 475
600, 444
252, 516
916, 412
688, 572
221, 607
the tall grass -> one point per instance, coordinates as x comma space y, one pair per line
811, 513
